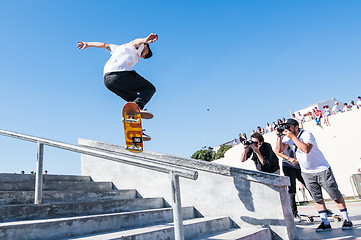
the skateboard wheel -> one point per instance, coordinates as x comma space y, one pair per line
123, 119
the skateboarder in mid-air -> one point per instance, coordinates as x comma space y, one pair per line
118, 74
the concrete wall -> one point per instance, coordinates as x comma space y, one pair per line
248, 197
340, 143
329, 102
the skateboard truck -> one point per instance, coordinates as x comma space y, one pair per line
131, 120
135, 148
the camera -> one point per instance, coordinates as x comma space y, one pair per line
247, 142
281, 128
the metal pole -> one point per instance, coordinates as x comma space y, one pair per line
177, 207
352, 186
39, 175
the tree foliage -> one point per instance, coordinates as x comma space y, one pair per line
221, 151
209, 154
203, 154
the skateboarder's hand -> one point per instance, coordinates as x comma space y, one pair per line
82, 45
151, 38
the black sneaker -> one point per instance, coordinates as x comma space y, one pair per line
347, 225
323, 227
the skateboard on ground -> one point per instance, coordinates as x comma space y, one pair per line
310, 218
132, 127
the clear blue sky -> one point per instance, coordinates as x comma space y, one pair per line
248, 62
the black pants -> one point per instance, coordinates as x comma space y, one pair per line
130, 86
293, 174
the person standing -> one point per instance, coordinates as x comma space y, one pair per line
326, 114
316, 171
118, 74
291, 169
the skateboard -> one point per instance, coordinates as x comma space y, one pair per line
132, 127
310, 218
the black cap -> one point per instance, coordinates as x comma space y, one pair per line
149, 54
291, 121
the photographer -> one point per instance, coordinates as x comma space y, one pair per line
263, 156
291, 169
315, 169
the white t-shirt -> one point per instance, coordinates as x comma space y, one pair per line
359, 103
300, 118
123, 58
269, 128
314, 161
336, 109
354, 107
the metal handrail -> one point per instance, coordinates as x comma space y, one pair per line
132, 160
174, 171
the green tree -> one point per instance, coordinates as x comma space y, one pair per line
204, 154
221, 151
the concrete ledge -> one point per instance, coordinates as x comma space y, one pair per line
250, 198
265, 178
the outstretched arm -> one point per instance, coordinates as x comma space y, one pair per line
84, 45
150, 39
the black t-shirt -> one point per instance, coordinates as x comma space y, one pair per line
270, 162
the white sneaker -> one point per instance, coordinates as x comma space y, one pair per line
145, 114
297, 218
146, 137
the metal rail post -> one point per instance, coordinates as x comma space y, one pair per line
177, 207
39, 175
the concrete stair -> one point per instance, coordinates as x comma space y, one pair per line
78, 208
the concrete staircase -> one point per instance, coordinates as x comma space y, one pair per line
76, 207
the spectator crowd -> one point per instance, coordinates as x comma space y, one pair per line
316, 114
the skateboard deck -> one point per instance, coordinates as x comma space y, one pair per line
132, 127
310, 218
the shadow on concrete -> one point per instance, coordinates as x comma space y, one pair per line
244, 193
